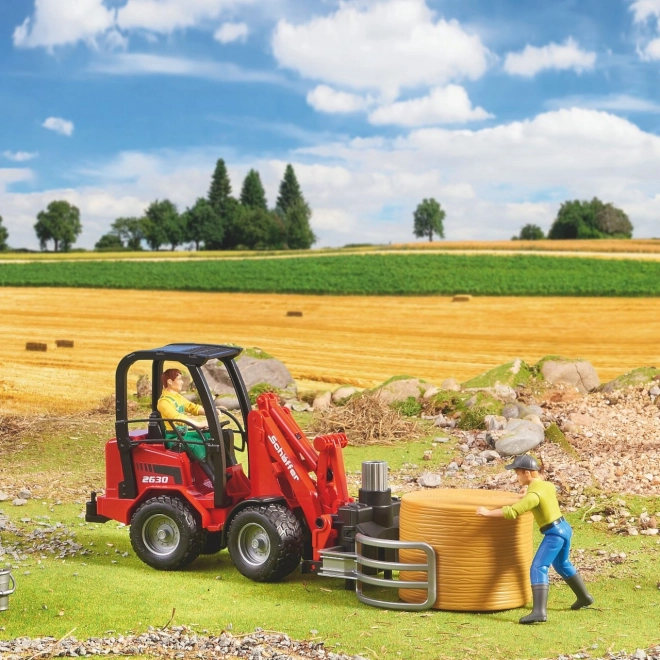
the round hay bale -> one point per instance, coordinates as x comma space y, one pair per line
35, 346
482, 563
462, 298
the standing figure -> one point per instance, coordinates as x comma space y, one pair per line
541, 499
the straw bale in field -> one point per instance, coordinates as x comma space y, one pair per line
366, 419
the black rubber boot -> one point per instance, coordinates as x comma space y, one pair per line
540, 599
584, 598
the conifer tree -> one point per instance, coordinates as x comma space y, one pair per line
220, 190
252, 194
290, 192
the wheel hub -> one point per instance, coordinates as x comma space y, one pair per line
160, 534
254, 544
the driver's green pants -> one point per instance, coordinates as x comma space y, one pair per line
193, 440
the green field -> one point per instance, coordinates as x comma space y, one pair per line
366, 274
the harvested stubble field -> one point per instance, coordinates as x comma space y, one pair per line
362, 341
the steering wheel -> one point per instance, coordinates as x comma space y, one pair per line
241, 430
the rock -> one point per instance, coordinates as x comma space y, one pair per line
654, 391
398, 391
191, 396
433, 390
143, 387
300, 406
25, 493
430, 480
535, 410
322, 401
570, 427
505, 393
254, 370
513, 374
495, 422
471, 401
510, 411
450, 384
343, 393
581, 419
636, 377
519, 436
4, 496
489, 455
579, 373
428, 455
19, 502
534, 419
464, 448
227, 402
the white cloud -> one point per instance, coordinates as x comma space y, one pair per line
644, 9
229, 32
132, 64
166, 16
9, 175
615, 102
383, 45
651, 51
60, 22
59, 125
560, 57
19, 156
326, 99
443, 105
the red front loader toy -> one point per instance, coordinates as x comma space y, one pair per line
292, 506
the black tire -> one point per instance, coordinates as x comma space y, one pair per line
166, 533
213, 543
265, 542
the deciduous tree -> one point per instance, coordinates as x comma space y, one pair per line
4, 235
299, 234
163, 224
203, 225
594, 219
428, 219
130, 231
109, 242
530, 233
59, 223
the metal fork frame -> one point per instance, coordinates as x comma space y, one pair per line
430, 568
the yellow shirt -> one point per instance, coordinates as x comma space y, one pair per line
541, 500
172, 405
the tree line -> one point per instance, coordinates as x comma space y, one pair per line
582, 220
218, 221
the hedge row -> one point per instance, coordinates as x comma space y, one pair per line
369, 274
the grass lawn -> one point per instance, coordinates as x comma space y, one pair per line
109, 589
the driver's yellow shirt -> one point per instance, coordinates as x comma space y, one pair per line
171, 405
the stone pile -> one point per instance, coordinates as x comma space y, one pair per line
175, 642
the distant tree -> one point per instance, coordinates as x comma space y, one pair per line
163, 224
130, 231
252, 193
290, 192
220, 190
108, 242
428, 219
299, 234
59, 223
530, 233
593, 219
4, 235
232, 222
203, 225
256, 229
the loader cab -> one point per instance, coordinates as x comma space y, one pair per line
219, 440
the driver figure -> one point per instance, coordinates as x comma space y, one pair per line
171, 405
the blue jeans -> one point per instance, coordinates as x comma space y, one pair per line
553, 551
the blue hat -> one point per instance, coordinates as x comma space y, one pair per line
523, 462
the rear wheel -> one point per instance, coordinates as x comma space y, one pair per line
265, 542
166, 533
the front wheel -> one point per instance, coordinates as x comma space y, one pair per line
265, 542
166, 534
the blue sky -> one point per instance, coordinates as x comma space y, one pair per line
499, 109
